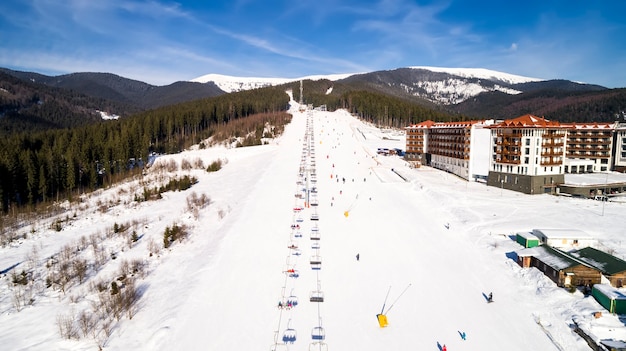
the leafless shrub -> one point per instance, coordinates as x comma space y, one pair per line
185, 164
195, 203
79, 267
171, 166
86, 323
100, 258
17, 297
198, 163
66, 326
102, 208
138, 267
153, 247
83, 242
128, 298
32, 258
94, 241
66, 253
74, 298
221, 213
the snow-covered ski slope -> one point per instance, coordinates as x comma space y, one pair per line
398, 229
219, 289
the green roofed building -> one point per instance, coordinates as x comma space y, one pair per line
610, 298
527, 239
613, 268
565, 270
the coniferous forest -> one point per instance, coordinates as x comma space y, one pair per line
40, 166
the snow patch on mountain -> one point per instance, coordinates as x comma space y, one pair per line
107, 116
481, 73
231, 84
453, 91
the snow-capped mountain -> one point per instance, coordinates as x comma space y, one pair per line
481, 73
464, 83
231, 84
437, 84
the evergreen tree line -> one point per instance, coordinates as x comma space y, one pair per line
374, 107
53, 164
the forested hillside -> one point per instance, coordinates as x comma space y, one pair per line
606, 105
371, 105
135, 95
52, 164
27, 106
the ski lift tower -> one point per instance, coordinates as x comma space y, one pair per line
301, 101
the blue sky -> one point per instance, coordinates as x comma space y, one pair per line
160, 42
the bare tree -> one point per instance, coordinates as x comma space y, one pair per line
153, 247
79, 266
66, 326
86, 323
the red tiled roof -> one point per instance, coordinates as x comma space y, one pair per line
594, 125
527, 121
426, 124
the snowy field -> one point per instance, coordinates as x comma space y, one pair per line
430, 246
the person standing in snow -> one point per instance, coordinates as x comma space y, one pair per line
357, 257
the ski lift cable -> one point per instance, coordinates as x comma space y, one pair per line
405, 289
385, 302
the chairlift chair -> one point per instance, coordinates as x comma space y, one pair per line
315, 245
292, 300
316, 296
316, 259
290, 335
318, 333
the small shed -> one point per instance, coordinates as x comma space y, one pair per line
613, 268
564, 238
610, 298
562, 268
527, 239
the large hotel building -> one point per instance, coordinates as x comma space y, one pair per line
528, 154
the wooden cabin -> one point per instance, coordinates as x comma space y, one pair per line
563, 269
613, 268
